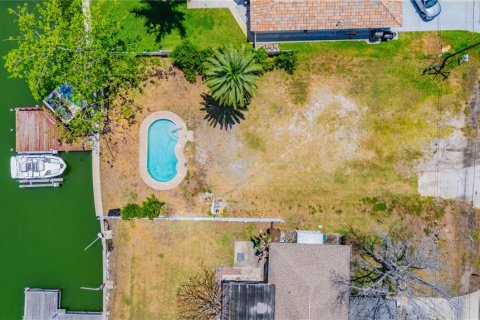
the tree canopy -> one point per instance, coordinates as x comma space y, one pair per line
58, 44
232, 75
389, 267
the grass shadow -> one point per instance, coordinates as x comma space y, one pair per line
162, 17
217, 115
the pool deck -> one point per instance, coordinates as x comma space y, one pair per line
37, 129
183, 137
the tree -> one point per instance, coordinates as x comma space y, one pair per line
152, 207
232, 75
200, 298
58, 44
386, 268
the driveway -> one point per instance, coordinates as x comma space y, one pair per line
455, 15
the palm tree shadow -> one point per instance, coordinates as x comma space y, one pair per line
162, 17
218, 115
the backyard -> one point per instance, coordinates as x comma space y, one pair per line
335, 144
151, 260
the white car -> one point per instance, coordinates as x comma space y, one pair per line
428, 9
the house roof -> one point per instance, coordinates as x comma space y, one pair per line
289, 15
243, 300
366, 308
302, 276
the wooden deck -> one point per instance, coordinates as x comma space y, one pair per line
43, 304
36, 130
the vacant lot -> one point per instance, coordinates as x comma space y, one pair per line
335, 144
150, 261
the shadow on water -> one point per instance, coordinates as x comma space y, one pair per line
225, 117
162, 17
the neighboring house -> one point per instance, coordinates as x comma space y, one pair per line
310, 20
302, 276
243, 300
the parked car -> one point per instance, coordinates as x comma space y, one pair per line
429, 9
377, 35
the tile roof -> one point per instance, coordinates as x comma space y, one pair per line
302, 275
289, 15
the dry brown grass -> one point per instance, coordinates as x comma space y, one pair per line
150, 261
352, 123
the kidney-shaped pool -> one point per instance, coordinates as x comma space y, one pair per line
162, 138
161, 159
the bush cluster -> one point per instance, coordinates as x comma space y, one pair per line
286, 60
151, 208
189, 58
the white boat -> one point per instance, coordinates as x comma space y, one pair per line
36, 166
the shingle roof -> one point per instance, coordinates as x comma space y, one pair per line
288, 15
302, 276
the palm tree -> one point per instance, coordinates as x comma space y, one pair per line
231, 76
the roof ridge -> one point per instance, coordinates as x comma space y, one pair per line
383, 2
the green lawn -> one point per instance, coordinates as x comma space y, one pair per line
162, 25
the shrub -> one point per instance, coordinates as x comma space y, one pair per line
131, 210
152, 207
261, 57
286, 60
189, 58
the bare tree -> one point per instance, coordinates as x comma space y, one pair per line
387, 270
200, 298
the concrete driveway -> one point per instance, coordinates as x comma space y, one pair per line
455, 15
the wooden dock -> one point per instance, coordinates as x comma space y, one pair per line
43, 304
37, 130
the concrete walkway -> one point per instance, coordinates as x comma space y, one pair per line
455, 15
238, 10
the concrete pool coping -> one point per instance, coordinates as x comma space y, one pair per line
183, 137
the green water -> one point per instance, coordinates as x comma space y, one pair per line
43, 231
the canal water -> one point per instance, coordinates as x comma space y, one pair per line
43, 231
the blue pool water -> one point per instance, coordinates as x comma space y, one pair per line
162, 162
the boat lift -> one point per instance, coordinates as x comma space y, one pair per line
40, 183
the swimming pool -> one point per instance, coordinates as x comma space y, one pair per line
161, 159
163, 135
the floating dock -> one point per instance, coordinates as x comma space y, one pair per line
37, 129
44, 304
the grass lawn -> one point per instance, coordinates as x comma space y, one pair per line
162, 25
151, 260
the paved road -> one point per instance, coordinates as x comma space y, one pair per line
456, 15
